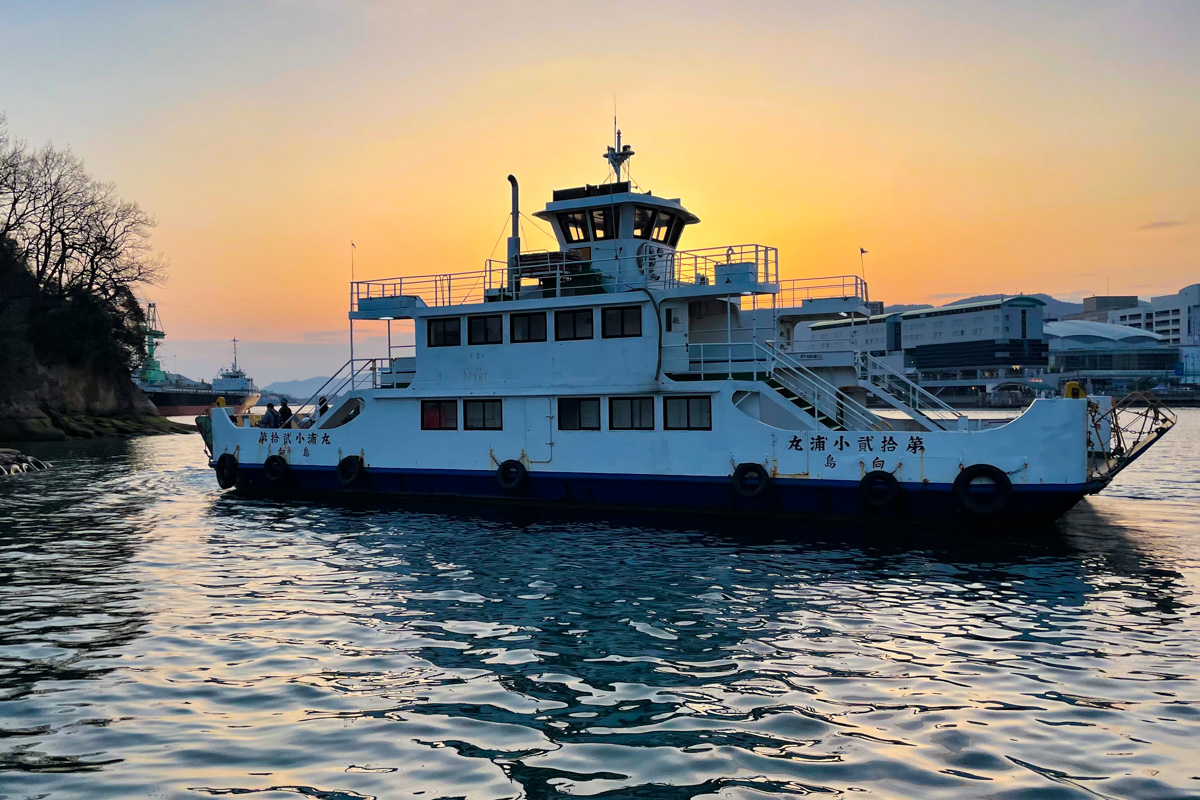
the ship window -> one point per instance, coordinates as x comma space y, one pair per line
604, 223
483, 415
616, 323
574, 226
579, 413
643, 221
446, 332
485, 330
631, 413
687, 413
676, 231
573, 324
528, 327
439, 415
662, 226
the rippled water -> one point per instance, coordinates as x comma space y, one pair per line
160, 639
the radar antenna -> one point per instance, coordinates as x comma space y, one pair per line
617, 154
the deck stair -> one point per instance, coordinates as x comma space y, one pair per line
357, 373
929, 411
828, 405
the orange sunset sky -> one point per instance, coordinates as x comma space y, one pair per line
970, 147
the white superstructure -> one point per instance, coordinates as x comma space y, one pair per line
623, 369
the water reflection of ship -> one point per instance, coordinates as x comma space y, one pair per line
177, 395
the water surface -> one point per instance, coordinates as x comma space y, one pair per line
159, 638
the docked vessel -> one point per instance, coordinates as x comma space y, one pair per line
175, 395
622, 371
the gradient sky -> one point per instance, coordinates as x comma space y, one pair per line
970, 147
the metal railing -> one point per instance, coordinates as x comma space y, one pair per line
794, 292
930, 407
1125, 431
759, 360
823, 395
357, 373
557, 274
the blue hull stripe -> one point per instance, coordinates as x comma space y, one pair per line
783, 496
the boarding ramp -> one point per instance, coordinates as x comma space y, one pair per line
1119, 434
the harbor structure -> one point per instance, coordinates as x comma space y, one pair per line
621, 370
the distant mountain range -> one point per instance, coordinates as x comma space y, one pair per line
296, 390
1055, 309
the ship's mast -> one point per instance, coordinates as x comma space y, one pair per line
617, 154
235, 341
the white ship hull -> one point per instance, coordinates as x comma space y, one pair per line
812, 473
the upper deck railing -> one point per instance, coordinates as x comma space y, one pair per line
794, 292
570, 273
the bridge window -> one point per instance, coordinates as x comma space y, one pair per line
687, 413
579, 413
528, 327
643, 222
676, 231
604, 223
662, 226
620, 322
631, 413
573, 324
445, 332
574, 226
485, 330
439, 415
483, 415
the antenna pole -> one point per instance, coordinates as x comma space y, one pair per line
235, 354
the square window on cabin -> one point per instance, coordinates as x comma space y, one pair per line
579, 413
485, 330
687, 413
483, 415
631, 413
604, 223
643, 222
662, 226
445, 332
573, 324
527, 327
439, 415
574, 226
620, 322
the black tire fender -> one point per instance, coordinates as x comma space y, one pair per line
511, 475
275, 470
750, 480
227, 470
971, 502
879, 489
350, 469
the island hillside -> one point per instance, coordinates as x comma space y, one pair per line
72, 253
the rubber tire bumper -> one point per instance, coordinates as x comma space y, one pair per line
879, 490
750, 480
511, 475
350, 469
982, 507
227, 471
275, 470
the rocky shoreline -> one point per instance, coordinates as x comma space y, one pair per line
53, 427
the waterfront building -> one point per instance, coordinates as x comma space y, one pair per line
970, 348
1108, 358
1175, 317
1098, 308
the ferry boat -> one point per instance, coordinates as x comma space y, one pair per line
176, 395
621, 370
